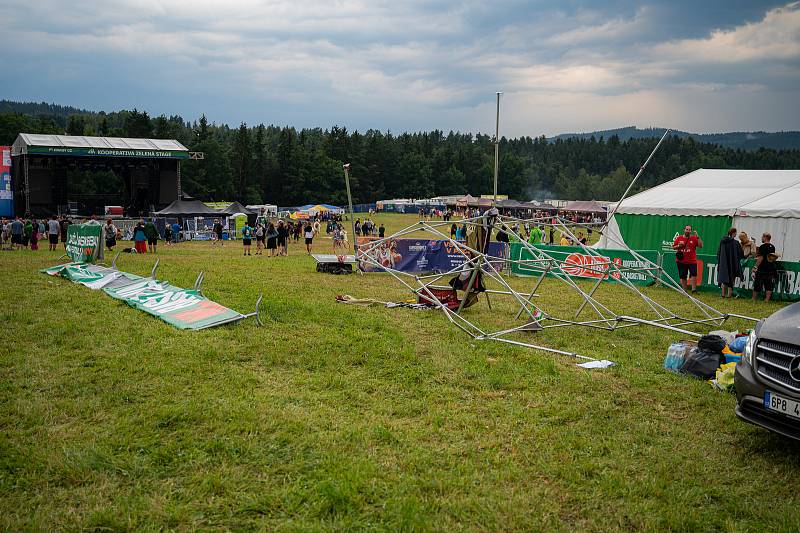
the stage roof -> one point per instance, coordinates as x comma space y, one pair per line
77, 145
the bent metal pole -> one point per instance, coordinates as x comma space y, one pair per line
346, 168
641, 171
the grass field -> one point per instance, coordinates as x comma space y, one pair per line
341, 417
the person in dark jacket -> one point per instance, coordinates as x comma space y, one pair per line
152, 235
729, 257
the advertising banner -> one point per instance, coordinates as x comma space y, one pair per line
92, 276
581, 265
420, 255
787, 287
6, 194
85, 242
107, 152
578, 264
183, 308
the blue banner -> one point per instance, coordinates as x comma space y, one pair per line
420, 255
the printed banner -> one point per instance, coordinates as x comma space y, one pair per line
92, 276
419, 255
183, 308
6, 194
85, 242
787, 285
107, 152
579, 264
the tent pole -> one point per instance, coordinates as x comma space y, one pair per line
641, 171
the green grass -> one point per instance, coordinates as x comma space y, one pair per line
341, 417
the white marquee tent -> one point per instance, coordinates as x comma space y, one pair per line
755, 201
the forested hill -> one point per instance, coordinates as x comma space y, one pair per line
746, 140
286, 166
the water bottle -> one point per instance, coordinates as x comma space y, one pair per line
674, 359
668, 360
679, 352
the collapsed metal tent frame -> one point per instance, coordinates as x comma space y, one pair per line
478, 262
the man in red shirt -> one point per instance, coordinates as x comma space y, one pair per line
685, 247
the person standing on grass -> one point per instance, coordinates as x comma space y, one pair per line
536, 235
685, 247
152, 236
259, 238
52, 232
34, 235
167, 235
272, 239
140, 237
110, 233
27, 233
176, 231
581, 238
247, 236
309, 235
337, 238
766, 271
65, 224
729, 257
17, 230
217, 233
283, 233
382, 231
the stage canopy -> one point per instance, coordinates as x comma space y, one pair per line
188, 208
236, 208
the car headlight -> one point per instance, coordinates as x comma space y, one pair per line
750, 347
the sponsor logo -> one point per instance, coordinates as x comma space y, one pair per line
586, 266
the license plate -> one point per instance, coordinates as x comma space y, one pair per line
780, 404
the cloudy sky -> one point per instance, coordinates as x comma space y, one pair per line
564, 66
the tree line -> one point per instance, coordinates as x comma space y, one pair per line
286, 166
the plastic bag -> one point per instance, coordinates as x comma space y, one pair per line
724, 378
738, 344
702, 363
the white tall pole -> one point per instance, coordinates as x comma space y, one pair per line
496, 146
346, 168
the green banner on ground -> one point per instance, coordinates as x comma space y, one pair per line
92, 276
658, 232
85, 242
183, 308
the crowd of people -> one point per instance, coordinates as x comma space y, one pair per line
731, 254
18, 232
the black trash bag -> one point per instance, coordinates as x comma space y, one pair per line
712, 343
703, 361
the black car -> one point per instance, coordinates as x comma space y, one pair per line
768, 377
